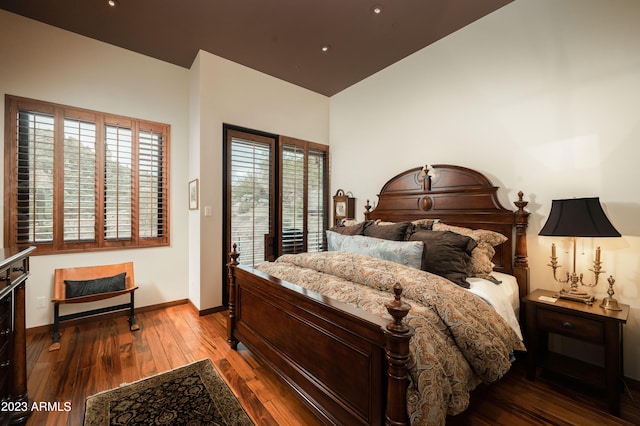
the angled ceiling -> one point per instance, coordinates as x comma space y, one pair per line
281, 38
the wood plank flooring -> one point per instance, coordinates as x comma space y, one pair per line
102, 354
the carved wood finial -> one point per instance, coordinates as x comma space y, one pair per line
367, 210
398, 310
521, 204
233, 254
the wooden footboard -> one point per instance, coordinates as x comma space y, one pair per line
349, 366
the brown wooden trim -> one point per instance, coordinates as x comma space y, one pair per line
209, 311
102, 317
203, 312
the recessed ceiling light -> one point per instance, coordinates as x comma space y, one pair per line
325, 48
377, 9
112, 3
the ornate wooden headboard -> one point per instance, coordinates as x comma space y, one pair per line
463, 197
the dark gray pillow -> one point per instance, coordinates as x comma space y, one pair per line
395, 232
446, 254
94, 286
357, 229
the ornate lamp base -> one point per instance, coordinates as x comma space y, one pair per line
576, 295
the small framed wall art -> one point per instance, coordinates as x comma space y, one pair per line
193, 195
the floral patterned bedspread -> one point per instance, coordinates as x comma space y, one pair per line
459, 341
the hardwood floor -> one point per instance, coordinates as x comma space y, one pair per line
103, 354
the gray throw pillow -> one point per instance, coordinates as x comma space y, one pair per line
79, 288
357, 229
446, 254
394, 232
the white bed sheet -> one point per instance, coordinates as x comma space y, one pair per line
504, 297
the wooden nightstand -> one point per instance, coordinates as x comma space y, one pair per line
587, 323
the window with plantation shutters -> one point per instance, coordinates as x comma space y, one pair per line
316, 199
83, 180
250, 206
276, 195
79, 180
292, 194
152, 195
303, 193
118, 176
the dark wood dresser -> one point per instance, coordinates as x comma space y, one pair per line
14, 401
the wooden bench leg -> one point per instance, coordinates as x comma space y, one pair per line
133, 326
56, 328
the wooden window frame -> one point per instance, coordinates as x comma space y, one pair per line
58, 245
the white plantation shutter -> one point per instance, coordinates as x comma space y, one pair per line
79, 180
250, 202
151, 184
316, 200
34, 177
118, 153
303, 195
292, 193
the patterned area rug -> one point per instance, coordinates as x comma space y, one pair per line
191, 395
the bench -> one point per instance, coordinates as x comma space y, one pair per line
88, 284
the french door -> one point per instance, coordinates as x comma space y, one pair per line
276, 195
250, 195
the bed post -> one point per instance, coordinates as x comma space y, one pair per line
367, 208
231, 319
521, 262
397, 335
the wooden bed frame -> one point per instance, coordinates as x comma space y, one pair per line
348, 365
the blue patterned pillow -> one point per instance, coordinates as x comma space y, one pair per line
403, 252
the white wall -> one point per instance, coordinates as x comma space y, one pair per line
233, 94
542, 96
42, 62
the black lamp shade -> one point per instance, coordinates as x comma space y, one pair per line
578, 217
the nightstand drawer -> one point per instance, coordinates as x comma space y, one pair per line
571, 326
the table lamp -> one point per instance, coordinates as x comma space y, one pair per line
575, 218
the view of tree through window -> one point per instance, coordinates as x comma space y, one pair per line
100, 182
79, 180
250, 198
